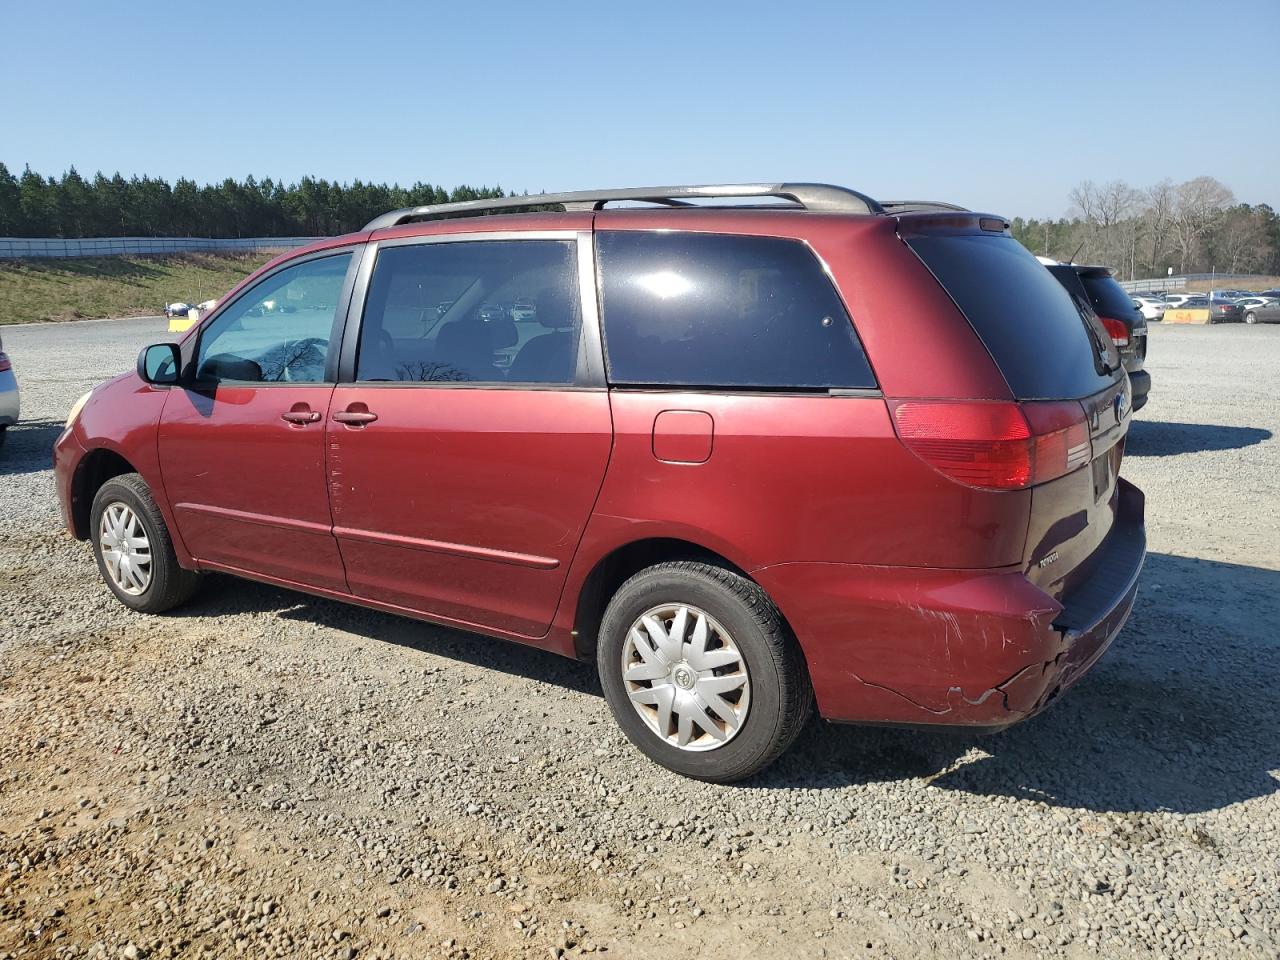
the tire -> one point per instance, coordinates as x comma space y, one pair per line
1250, 317
167, 584
774, 703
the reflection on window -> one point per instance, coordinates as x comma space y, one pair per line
710, 310
279, 331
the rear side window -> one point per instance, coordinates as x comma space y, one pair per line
1045, 346
710, 310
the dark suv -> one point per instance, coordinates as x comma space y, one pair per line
745, 458
1095, 288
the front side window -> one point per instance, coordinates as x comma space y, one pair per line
475, 311
278, 331
711, 310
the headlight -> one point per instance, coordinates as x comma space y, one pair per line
76, 408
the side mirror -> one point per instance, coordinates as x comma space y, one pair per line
160, 363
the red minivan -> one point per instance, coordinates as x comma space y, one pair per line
816, 449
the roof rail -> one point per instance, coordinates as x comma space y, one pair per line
818, 197
918, 206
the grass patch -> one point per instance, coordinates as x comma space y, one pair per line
1261, 283
79, 289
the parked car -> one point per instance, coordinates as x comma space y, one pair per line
1150, 307
522, 312
1096, 292
736, 495
492, 312
176, 309
1246, 302
10, 405
1266, 312
1225, 311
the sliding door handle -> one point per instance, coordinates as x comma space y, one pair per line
355, 418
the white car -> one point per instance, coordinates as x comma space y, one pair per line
1174, 300
1152, 308
1247, 302
9, 406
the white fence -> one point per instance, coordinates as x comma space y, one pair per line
11, 247
1180, 282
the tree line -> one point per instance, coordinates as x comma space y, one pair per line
1192, 227
74, 206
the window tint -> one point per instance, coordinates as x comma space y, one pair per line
473, 311
279, 330
708, 310
1047, 347
1108, 298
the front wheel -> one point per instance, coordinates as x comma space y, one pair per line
701, 672
133, 548
1250, 317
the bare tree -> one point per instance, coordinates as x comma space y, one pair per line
1197, 204
1158, 214
1108, 210
1239, 240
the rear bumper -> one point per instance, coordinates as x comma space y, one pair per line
1140, 381
9, 404
950, 647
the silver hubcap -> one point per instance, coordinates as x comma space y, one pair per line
126, 551
686, 677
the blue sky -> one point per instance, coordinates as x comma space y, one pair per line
1000, 106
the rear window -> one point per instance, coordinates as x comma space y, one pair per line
1044, 345
711, 310
1108, 298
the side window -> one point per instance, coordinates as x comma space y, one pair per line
279, 330
710, 310
475, 311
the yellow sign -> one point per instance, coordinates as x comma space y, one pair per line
1195, 315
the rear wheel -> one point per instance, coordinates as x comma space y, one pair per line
1250, 317
134, 551
701, 672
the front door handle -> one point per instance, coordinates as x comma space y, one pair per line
357, 415
300, 413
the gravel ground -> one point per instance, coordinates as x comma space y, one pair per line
266, 774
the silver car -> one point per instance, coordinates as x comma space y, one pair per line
8, 394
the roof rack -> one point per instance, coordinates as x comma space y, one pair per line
818, 197
919, 206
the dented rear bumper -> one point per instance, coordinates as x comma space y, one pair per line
957, 648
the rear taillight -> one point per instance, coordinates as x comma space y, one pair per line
995, 445
1116, 330
4, 363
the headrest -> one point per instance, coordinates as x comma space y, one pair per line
556, 309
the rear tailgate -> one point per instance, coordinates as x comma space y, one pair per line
1071, 516
1049, 347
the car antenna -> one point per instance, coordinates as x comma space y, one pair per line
1072, 258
